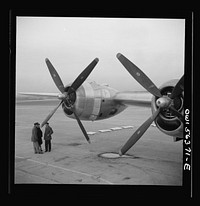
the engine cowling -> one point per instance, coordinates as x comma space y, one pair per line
92, 102
82, 101
166, 122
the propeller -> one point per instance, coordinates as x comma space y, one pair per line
66, 96
55, 76
81, 126
139, 76
51, 114
138, 133
163, 102
178, 88
83, 76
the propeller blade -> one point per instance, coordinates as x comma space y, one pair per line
139, 76
83, 76
50, 114
178, 88
177, 113
81, 126
138, 133
56, 78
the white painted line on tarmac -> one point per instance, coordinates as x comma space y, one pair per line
127, 127
111, 129
69, 170
116, 128
91, 133
104, 130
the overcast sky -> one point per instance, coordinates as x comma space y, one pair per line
156, 46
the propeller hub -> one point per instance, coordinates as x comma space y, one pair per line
62, 96
163, 102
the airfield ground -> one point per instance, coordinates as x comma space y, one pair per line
154, 160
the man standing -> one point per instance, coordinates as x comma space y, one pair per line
34, 138
47, 137
39, 135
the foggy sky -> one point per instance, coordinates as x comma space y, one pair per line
156, 46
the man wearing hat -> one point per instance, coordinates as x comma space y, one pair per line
34, 138
47, 137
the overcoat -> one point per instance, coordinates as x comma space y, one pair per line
39, 135
34, 137
48, 132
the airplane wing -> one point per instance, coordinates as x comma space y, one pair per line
142, 99
131, 98
39, 94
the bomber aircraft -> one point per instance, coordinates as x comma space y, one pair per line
90, 101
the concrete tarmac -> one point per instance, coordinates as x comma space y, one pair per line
154, 160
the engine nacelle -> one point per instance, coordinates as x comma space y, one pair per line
166, 121
93, 102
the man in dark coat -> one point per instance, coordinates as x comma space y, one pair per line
47, 137
34, 138
39, 135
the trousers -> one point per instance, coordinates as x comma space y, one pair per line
47, 145
36, 147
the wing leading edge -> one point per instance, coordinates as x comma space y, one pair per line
39, 94
129, 98
142, 99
